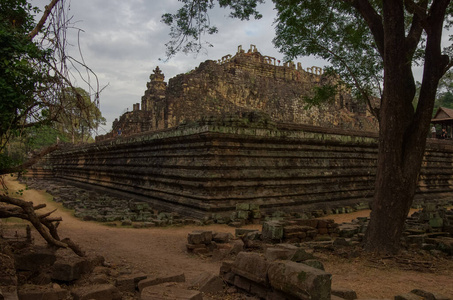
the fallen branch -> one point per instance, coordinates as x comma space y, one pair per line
25, 210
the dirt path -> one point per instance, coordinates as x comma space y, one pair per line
162, 250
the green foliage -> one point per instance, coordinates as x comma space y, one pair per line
334, 31
321, 94
81, 115
191, 22
21, 69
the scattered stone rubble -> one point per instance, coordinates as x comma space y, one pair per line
278, 262
29, 272
90, 205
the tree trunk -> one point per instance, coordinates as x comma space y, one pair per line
402, 131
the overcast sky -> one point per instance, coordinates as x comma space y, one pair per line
122, 41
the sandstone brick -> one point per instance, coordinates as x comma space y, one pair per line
344, 293
408, 296
207, 283
129, 282
34, 258
49, 292
300, 280
221, 237
162, 292
272, 230
158, 279
98, 292
252, 266
428, 295
199, 237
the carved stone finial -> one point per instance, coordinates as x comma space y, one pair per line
157, 70
157, 76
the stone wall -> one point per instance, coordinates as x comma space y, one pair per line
210, 166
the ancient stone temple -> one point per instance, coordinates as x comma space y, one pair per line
240, 84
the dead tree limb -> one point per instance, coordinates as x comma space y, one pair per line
25, 210
31, 161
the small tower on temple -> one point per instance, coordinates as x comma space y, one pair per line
156, 90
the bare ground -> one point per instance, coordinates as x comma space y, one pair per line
162, 251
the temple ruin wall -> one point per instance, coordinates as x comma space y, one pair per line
209, 168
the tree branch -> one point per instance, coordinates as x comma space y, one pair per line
373, 19
43, 19
25, 210
31, 161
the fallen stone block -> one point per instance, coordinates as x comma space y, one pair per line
155, 280
242, 231
8, 293
237, 246
200, 237
428, 295
7, 271
408, 296
34, 258
252, 266
276, 253
307, 222
221, 237
348, 230
314, 264
300, 280
69, 266
207, 283
242, 283
33, 292
273, 230
98, 292
163, 292
344, 293
129, 282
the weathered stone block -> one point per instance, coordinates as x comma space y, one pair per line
408, 296
33, 292
273, 230
314, 264
200, 237
237, 246
34, 258
308, 222
129, 282
300, 280
252, 266
162, 292
348, 230
275, 253
243, 214
98, 292
428, 295
69, 266
155, 280
207, 283
242, 283
221, 237
242, 231
346, 294
7, 271
254, 206
242, 206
